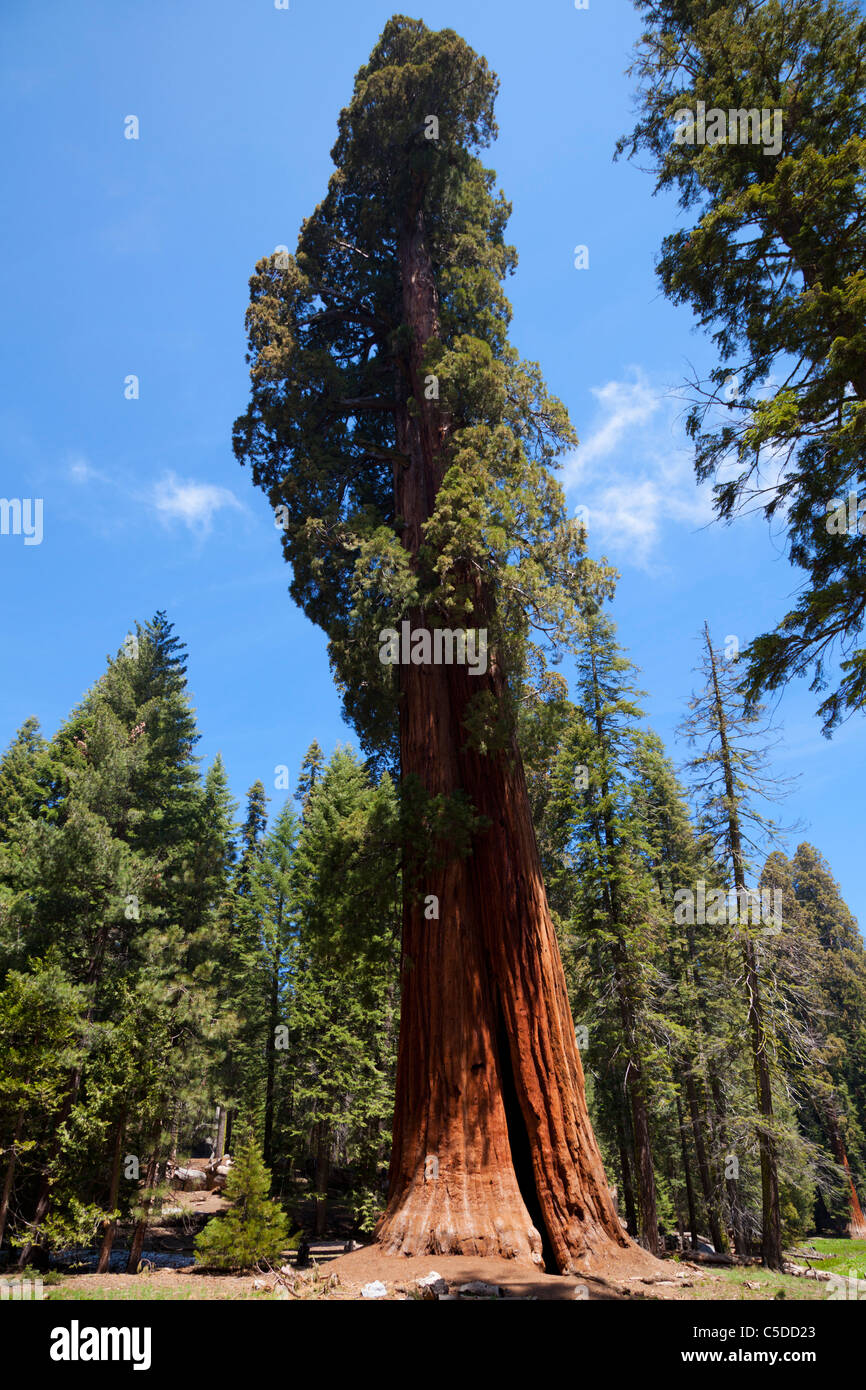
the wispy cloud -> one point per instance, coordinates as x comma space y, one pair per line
634, 473
194, 504
80, 470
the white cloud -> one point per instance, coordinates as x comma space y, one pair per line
195, 504
80, 471
624, 405
634, 472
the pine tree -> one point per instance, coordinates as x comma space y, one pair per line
41, 1042
598, 850
105, 877
247, 974
838, 962
730, 782
772, 265
274, 893
345, 885
255, 1229
311, 771
22, 778
695, 1006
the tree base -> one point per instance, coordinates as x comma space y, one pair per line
486, 1217
482, 1216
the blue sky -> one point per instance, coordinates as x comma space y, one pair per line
131, 257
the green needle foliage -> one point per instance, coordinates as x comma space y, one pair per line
256, 1228
329, 350
772, 264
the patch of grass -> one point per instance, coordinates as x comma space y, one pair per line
845, 1256
842, 1257
156, 1287
47, 1276
142, 1295
733, 1285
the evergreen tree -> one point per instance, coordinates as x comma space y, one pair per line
22, 778
106, 879
344, 985
311, 771
731, 781
275, 895
41, 1042
405, 450
773, 265
702, 1026
243, 1075
838, 961
610, 892
255, 1229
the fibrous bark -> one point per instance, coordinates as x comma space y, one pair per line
493, 1150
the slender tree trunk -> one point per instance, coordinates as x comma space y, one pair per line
627, 1184
771, 1232
141, 1225
732, 1192
714, 1221
273, 1021
219, 1146
9, 1176
676, 1194
110, 1226
771, 1235
177, 1111
635, 1076
493, 1152
857, 1224
649, 1223
711, 1182
687, 1173
323, 1169
643, 1153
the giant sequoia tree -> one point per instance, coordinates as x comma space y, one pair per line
405, 449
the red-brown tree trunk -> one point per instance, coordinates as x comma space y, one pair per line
625, 1166
708, 1187
323, 1170
140, 1229
857, 1228
771, 1229
9, 1176
857, 1224
110, 1227
687, 1174
493, 1150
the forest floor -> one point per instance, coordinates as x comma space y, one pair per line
337, 1276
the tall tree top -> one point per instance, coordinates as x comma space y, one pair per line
391, 318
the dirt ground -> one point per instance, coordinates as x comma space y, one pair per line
518, 1280
336, 1276
617, 1274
